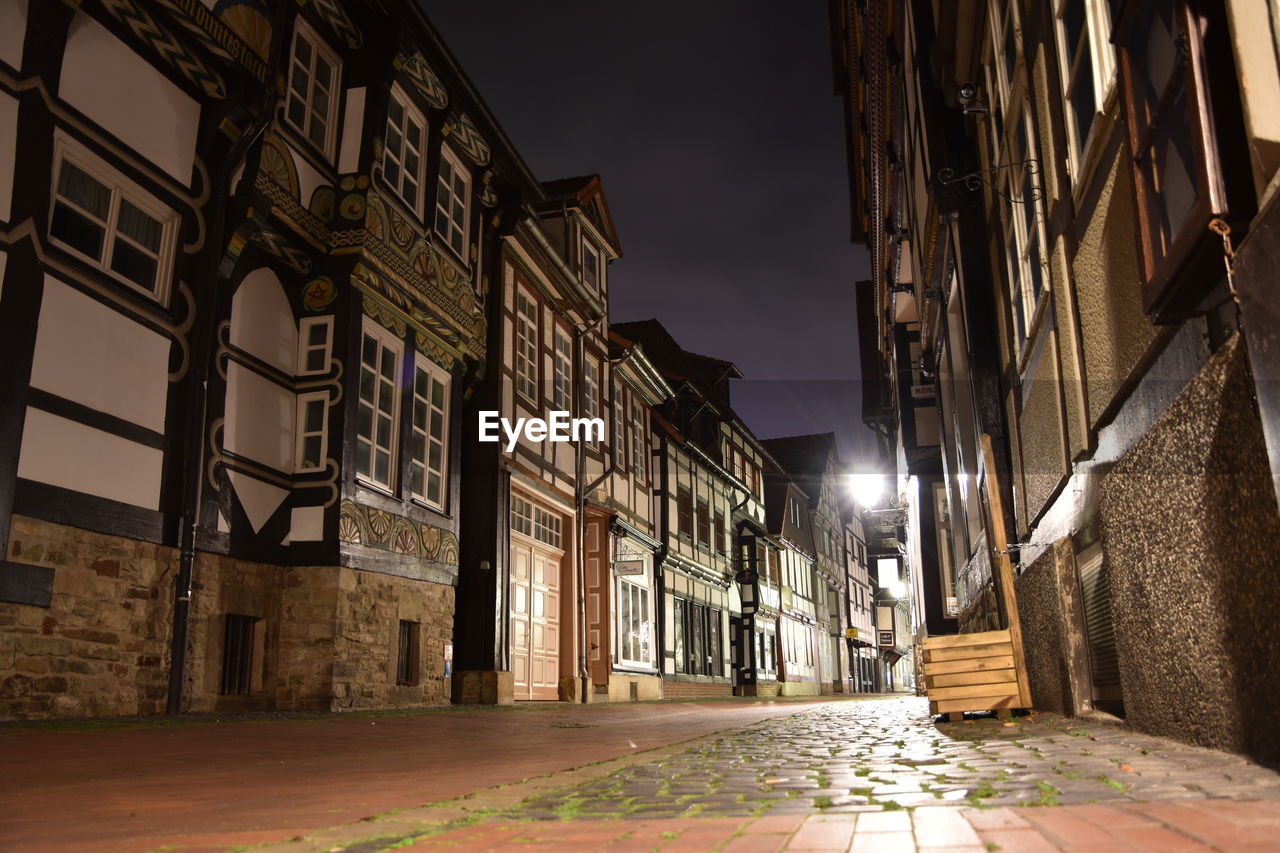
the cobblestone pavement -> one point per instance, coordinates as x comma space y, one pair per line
889, 754
881, 775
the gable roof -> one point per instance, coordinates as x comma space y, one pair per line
585, 192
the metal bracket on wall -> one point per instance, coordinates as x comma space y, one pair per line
976, 180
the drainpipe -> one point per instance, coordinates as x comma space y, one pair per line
198, 402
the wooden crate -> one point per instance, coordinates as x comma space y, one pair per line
973, 672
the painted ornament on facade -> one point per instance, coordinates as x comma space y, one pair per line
376, 528
423, 79
469, 141
161, 41
319, 294
250, 20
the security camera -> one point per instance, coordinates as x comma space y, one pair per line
967, 95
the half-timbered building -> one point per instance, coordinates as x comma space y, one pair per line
243, 296
789, 521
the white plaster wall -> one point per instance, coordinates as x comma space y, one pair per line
262, 321
13, 30
8, 146
308, 524
64, 453
259, 419
95, 356
352, 129
308, 178
119, 90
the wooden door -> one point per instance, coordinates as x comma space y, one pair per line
535, 621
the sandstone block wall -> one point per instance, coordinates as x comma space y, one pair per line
102, 646
1190, 530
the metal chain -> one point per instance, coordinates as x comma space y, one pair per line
1218, 226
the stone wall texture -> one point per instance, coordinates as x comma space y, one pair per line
1040, 611
326, 638
1190, 529
102, 645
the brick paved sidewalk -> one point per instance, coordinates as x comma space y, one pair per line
1197, 825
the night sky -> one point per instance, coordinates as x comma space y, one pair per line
717, 133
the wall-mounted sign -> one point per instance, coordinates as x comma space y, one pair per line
628, 567
851, 633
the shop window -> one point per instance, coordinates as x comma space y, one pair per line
635, 646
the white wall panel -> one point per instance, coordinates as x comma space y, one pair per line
119, 90
308, 524
259, 419
96, 356
13, 30
262, 322
8, 145
352, 130
64, 453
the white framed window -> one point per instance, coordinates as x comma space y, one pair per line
535, 522
1086, 65
315, 345
312, 432
379, 407
592, 266
590, 387
526, 344
453, 203
563, 387
429, 434
1025, 256
108, 221
639, 440
312, 103
635, 624
402, 149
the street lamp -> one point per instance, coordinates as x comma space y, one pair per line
867, 489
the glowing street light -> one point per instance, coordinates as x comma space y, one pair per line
867, 489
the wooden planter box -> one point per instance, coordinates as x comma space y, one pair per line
973, 672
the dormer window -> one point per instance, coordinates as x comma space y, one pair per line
592, 265
402, 150
453, 197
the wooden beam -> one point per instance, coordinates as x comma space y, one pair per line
947, 641
1004, 568
969, 665
983, 703
987, 650
958, 679
970, 691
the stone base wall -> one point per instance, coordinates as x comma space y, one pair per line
694, 689
1190, 531
648, 687
798, 688
324, 638
983, 614
1042, 632
102, 646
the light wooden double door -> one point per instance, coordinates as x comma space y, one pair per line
535, 619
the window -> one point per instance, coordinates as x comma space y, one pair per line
107, 221
590, 387
684, 512
1024, 242
315, 342
237, 655
379, 405
591, 266
312, 432
704, 524
313, 87
1185, 139
526, 345
407, 665
635, 641
402, 150
639, 440
698, 647
721, 539
561, 394
794, 507
534, 521
1086, 66
429, 436
453, 196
